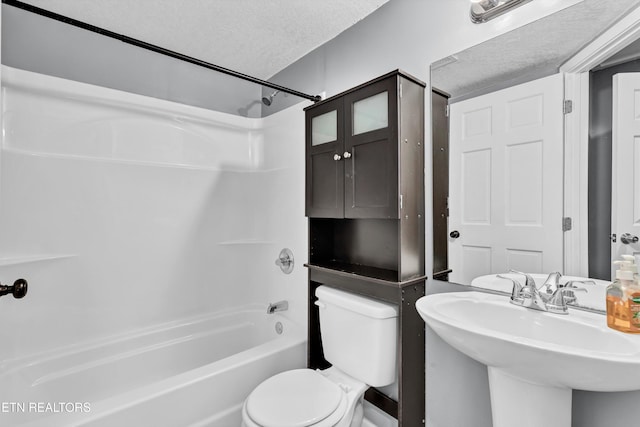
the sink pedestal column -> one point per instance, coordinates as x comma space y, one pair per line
515, 402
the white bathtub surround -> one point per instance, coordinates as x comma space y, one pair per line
125, 212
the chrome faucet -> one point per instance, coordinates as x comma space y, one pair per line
552, 296
558, 301
528, 296
278, 306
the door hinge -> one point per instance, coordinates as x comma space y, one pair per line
566, 223
400, 89
446, 110
567, 107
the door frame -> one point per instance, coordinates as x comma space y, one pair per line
576, 135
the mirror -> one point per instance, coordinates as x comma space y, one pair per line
532, 52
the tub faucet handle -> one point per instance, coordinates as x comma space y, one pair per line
285, 261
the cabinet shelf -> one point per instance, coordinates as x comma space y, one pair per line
362, 271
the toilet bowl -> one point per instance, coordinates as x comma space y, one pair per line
358, 338
306, 398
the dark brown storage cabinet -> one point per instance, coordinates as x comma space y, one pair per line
365, 203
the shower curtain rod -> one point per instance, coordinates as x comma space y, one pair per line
157, 49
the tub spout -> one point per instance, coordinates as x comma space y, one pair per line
278, 306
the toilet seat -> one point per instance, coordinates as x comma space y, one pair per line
297, 398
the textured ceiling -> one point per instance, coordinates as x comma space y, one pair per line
255, 37
530, 51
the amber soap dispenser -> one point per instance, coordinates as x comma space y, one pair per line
623, 297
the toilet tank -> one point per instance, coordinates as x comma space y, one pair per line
359, 335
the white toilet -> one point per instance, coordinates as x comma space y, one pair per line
359, 340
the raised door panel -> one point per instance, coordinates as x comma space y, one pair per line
371, 151
324, 163
506, 171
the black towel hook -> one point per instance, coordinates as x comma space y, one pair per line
19, 289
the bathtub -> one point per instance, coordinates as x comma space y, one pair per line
193, 372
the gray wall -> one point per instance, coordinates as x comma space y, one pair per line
35, 43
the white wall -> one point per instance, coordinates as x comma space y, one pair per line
124, 211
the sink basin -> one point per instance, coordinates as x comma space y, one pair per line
534, 355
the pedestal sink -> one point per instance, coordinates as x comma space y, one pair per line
534, 358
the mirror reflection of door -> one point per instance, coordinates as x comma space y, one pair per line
614, 204
625, 215
506, 181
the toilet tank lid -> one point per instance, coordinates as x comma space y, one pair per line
356, 303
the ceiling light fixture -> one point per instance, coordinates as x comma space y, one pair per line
484, 10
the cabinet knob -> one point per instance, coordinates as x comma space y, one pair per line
347, 154
336, 157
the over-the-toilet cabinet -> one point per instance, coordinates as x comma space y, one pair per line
354, 146
365, 203
365, 179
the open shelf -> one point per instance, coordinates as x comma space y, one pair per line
358, 270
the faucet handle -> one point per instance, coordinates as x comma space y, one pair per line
570, 286
552, 283
285, 261
517, 287
571, 283
558, 301
530, 283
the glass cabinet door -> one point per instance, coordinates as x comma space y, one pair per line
324, 160
324, 128
371, 113
371, 152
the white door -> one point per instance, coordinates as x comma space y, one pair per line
506, 181
625, 214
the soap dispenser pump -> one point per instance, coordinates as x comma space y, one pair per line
623, 313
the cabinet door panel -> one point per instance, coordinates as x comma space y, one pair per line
371, 173
325, 171
325, 197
